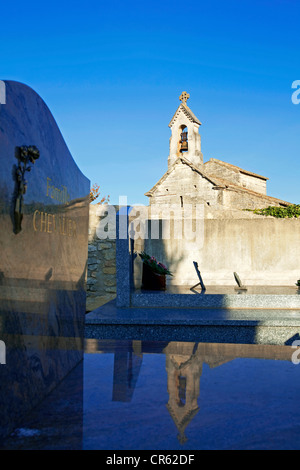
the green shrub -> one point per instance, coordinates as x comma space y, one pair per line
291, 211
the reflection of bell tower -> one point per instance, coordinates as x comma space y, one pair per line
185, 139
184, 370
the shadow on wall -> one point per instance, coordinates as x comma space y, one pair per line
264, 252
162, 249
176, 241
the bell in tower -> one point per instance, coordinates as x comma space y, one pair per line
184, 140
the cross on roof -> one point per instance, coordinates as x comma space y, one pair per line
184, 97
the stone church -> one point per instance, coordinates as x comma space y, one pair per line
214, 183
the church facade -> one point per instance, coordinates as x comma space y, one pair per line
216, 184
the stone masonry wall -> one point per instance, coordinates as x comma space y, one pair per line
184, 183
101, 276
263, 250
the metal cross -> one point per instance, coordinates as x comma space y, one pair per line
184, 96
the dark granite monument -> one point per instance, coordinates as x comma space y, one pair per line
44, 206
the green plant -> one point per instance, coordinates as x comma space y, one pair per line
298, 283
290, 211
154, 265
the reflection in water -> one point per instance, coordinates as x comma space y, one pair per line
57, 422
43, 343
184, 371
183, 363
127, 364
170, 395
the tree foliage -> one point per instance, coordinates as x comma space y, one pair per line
95, 194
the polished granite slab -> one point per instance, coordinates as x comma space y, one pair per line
223, 290
250, 326
219, 297
109, 314
147, 396
44, 212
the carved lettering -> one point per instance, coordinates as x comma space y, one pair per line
49, 224
70, 227
43, 222
53, 223
62, 221
60, 195
34, 220
74, 229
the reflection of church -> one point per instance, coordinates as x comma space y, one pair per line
183, 365
184, 371
184, 362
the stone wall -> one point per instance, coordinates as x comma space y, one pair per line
238, 199
263, 250
184, 186
255, 184
213, 168
226, 171
101, 276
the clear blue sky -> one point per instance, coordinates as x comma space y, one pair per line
111, 73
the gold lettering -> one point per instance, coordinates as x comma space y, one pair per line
62, 225
50, 217
34, 217
43, 221
60, 195
56, 194
48, 185
66, 196
74, 229
70, 227
53, 223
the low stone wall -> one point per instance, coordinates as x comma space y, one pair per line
264, 251
101, 276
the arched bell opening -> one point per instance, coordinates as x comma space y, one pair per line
181, 398
183, 142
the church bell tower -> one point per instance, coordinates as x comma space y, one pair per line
185, 139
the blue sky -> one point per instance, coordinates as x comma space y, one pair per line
112, 73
